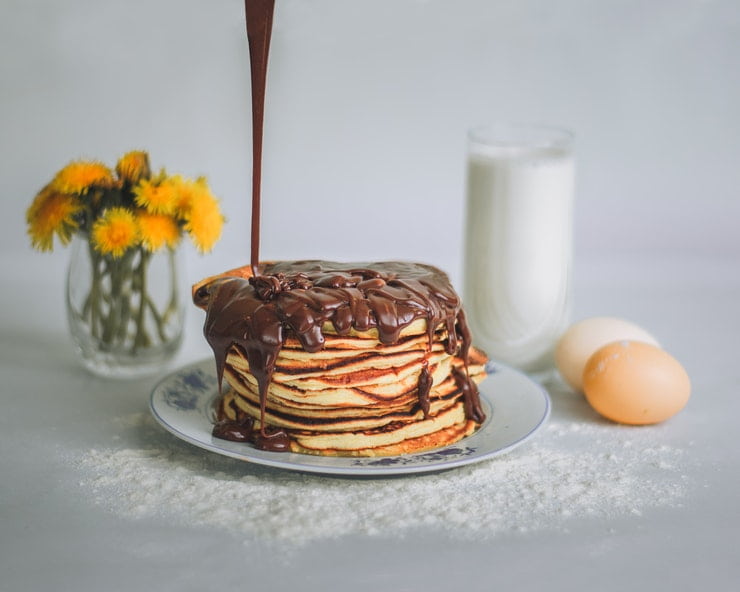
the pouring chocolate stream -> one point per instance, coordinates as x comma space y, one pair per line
255, 313
259, 31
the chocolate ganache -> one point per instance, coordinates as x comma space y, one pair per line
304, 299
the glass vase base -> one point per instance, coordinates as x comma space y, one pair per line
126, 365
125, 313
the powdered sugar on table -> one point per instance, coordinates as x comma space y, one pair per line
580, 467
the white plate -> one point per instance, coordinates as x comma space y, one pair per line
516, 408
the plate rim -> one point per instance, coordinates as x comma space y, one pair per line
380, 470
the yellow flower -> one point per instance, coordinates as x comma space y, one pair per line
156, 230
81, 175
126, 209
133, 166
203, 220
187, 192
115, 232
157, 196
51, 213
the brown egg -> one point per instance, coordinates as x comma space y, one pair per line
635, 383
583, 338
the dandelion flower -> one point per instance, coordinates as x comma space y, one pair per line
115, 232
184, 189
187, 192
156, 196
133, 166
157, 230
81, 175
204, 221
52, 213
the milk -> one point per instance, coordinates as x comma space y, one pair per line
518, 248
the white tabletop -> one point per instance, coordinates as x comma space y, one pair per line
62, 530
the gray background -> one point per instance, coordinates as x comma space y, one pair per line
368, 103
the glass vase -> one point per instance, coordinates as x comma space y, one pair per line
126, 314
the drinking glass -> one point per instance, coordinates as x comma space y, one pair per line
518, 242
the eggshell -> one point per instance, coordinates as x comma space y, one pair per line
583, 338
635, 383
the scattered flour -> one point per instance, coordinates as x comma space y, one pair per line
574, 469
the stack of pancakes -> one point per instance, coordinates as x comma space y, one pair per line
357, 395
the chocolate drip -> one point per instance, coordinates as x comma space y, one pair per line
425, 385
243, 431
300, 297
259, 31
236, 431
272, 440
471, 396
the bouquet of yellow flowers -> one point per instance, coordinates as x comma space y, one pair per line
125, 217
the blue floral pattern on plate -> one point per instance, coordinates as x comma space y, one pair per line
187, 387
435, 456
516, 408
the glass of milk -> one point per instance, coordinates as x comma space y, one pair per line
518, 242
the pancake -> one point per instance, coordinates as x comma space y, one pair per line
362, 359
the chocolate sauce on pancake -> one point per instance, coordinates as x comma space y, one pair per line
423, 388
241, 429
303, 298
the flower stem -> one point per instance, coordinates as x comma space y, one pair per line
158, 319
94, 295
172, 305
118, 310
142, 339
